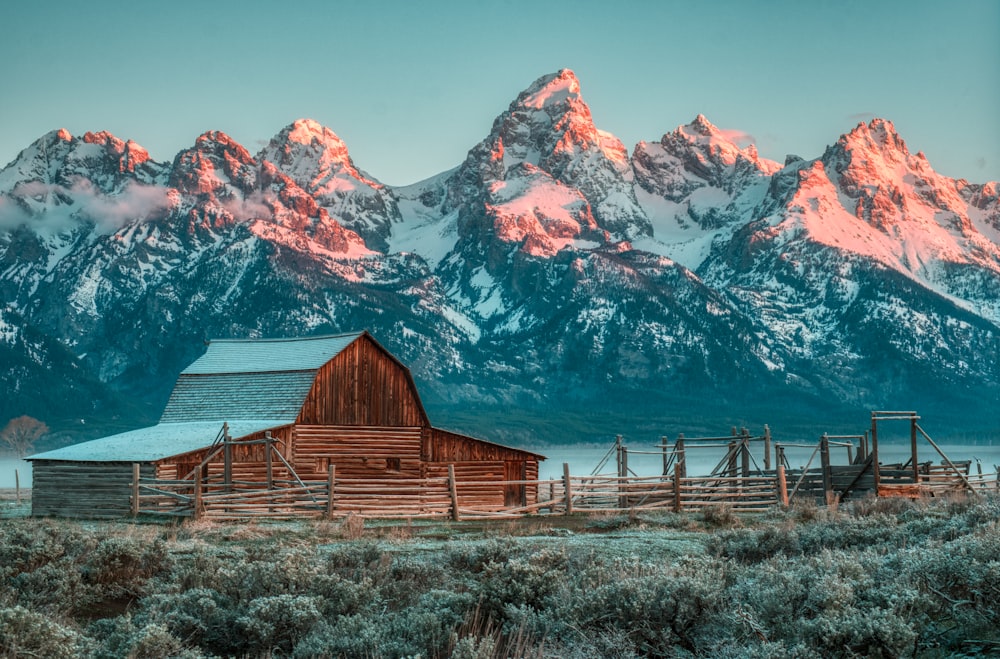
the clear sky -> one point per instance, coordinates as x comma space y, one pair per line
412, 86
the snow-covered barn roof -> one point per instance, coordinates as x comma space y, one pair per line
269, 355
163, 440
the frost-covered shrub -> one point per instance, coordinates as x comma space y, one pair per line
24, 633
755, 545
819, 602
57, 589
721, 516
122, 564
674, 607
847, 533
26, 545
203, 617
120, 638
873, 505
521, 581
428, 628
474, 558
276, 624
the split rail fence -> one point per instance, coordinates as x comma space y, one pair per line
448, 497
738, 482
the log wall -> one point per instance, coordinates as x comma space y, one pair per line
364, 386
445, 446
93, 490
357, 452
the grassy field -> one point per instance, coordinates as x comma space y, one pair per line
882, 578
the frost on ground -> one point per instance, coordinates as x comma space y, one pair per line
880, 578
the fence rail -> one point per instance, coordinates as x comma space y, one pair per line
443, 497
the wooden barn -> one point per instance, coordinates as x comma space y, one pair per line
280, 411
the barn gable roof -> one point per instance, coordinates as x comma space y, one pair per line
163, 440
274, 396
269, 355
272, 377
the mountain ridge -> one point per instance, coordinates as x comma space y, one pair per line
552, 268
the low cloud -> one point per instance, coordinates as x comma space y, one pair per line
255, 206
738, 137
861, 116
135, 202
110, 212
11, 214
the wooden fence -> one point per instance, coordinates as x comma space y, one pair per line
210, 498
449, 497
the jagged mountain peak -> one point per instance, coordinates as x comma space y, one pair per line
129, 154
214, 162
318, 161
316, 158
555, 89
878, 133
702, 126
548, 131
216, 141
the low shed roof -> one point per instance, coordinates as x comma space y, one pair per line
154, 443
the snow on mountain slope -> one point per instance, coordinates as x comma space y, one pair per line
548, 132
549, 266
697, 186
869, 197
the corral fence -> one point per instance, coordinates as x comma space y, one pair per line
739, 481
448, 498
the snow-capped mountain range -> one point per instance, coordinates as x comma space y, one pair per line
551, 270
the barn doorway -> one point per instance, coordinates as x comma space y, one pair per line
514, 493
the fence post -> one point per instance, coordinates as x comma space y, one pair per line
623, 473
782, 486
680, 466
227, 453
767, 448
135, 489
552, 498
197, 494
824, 455
677, 490
331, 479
17, 487
453, 489
745, 454
268, 460
567, 489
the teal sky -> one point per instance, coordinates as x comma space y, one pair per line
412, 86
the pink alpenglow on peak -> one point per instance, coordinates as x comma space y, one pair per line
316, 158
554, 89
722, 144
129, 153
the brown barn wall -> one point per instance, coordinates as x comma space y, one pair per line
444, 446
249, 462
363, 386
93, 490
357, 452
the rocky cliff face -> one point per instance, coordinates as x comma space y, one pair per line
550, 270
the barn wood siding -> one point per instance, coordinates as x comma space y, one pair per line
363, 386
93, 490
357, 452
481, 468
444, 446
249, 462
